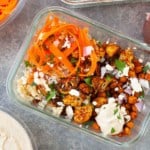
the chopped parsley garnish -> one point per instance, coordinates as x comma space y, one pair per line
88, 81
50, 95
120, 64
146, 68
73, 60
99, 43
113, 130
108, 78
33, 84
115, 111
51, 58
27, 63
119, 117
142, 94
52, 86
88, 123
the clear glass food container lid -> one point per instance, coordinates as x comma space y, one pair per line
88, 3
98, 31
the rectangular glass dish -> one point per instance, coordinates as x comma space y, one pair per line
98, 31
88, 3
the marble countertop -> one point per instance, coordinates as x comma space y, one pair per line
48, 134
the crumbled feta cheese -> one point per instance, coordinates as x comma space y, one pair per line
121, 96
140, 60
103, 71
109, 67
40, 81
87, 50
67, 43
50, 64
56, 111
86, 101
102, 60
42, 104
144, 83
116, 89
24, 80
135, 85
69, 112
74, 92
60, 104
94, 103
52, 79
41, 74
56, 43
111, 100
127, 117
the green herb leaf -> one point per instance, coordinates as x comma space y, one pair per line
27, 63
108, 78
88, 81
146, 68
73, 60
51, 58
119, 116
113, 130
50, 95
120, 64
33, 84
115, 111
142, 94
52, 86
88, 123
99, 43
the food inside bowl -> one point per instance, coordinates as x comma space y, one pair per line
98, 85
12, 134
6, 8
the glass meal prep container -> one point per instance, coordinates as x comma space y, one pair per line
98, 31
13, 13
88, 3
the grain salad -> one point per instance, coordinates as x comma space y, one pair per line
97, 85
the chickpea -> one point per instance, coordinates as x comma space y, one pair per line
112, 49
83, 87
132, 99
134, 108
138, 69
147, 76
130, 124
102, 94
132, 73
141, 75
123, 79
127, 131
133, 115
100, 101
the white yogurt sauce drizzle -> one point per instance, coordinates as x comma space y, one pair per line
111, 117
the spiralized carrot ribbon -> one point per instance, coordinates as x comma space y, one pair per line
6, 8
44, 47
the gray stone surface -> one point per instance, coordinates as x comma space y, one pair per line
49, 134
